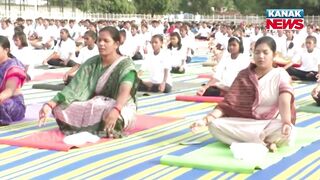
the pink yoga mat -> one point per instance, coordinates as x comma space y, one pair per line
53, 139
214, 99
208, 76
47, 76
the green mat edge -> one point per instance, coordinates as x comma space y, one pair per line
167, 159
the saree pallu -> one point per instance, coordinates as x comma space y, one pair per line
12, 110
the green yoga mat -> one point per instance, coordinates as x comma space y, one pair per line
310, 108
54, 87
217, 156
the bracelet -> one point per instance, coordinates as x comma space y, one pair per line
48, 105
117, 109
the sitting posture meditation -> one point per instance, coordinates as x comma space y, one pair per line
309, 59
227, 69
159, 68
100, 99
178, 54
12, 77
64, 52
259, 106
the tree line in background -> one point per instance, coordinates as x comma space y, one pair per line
204, 7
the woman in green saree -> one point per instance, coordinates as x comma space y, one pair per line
101, 97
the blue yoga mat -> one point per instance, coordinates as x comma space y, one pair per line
198, 59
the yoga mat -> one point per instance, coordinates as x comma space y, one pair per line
45, 67
184, 85
198, 59
213, 99
205, 76
54, 87
47, 76
310, 108
209, 64
218, 156
53, 139
294, 65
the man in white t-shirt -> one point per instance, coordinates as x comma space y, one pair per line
309, 60
204, 32
45, 38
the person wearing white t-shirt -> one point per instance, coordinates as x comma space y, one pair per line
159, 66
156, 28
227, 70
204, 32
136, 43
292, 45
145, 39
178, 54
23, 53
64, 51
45, 38
256, 35
29, 28
187, 41
125, 47
221, 37
88, 51
280, 39
309, 60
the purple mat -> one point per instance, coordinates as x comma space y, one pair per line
32, 113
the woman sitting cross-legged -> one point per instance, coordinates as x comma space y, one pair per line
12, 77
64, 51
101, 97
251, 108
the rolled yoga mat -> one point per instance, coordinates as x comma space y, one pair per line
209, 64
213, 99
218, 157
294, 65
54, 87
208, 76
310, 108
197, 59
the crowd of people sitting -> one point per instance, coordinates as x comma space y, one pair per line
252, 69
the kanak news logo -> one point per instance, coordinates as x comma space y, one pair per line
285, 19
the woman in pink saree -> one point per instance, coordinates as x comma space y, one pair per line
259, 108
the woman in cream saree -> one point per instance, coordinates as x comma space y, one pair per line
259, 107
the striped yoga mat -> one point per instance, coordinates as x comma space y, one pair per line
138, 156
